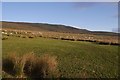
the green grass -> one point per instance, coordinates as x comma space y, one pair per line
76, 59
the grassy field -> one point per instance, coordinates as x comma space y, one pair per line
76, 59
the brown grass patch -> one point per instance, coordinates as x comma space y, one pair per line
12, 64
30, 65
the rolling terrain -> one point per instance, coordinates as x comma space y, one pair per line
75, 59
51, 27
79, 53
42, 27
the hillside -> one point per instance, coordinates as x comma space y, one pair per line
42, 27
51, 27
37, 50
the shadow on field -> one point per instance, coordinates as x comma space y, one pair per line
30, 66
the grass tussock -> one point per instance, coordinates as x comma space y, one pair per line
31, 66
31, 36
12, 64
4, 38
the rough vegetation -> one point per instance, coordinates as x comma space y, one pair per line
58, 52
30, 66
51, 28
105, 40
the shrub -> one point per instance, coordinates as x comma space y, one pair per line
24, 36
31, 36
4, 38
40, 35
8, 35
114, 43
103, 43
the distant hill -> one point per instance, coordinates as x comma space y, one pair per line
51, 27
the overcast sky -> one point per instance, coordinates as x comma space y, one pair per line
100, 16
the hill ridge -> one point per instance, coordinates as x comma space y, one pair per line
51, 27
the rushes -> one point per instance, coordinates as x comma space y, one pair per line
31, 66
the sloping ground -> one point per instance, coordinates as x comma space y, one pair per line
12, 25
75, 59
42, 27
51, 27
99, 39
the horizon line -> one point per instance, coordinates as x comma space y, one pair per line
59, 24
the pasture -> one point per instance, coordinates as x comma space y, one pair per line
76, 59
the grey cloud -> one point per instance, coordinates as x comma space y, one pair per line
83, 5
